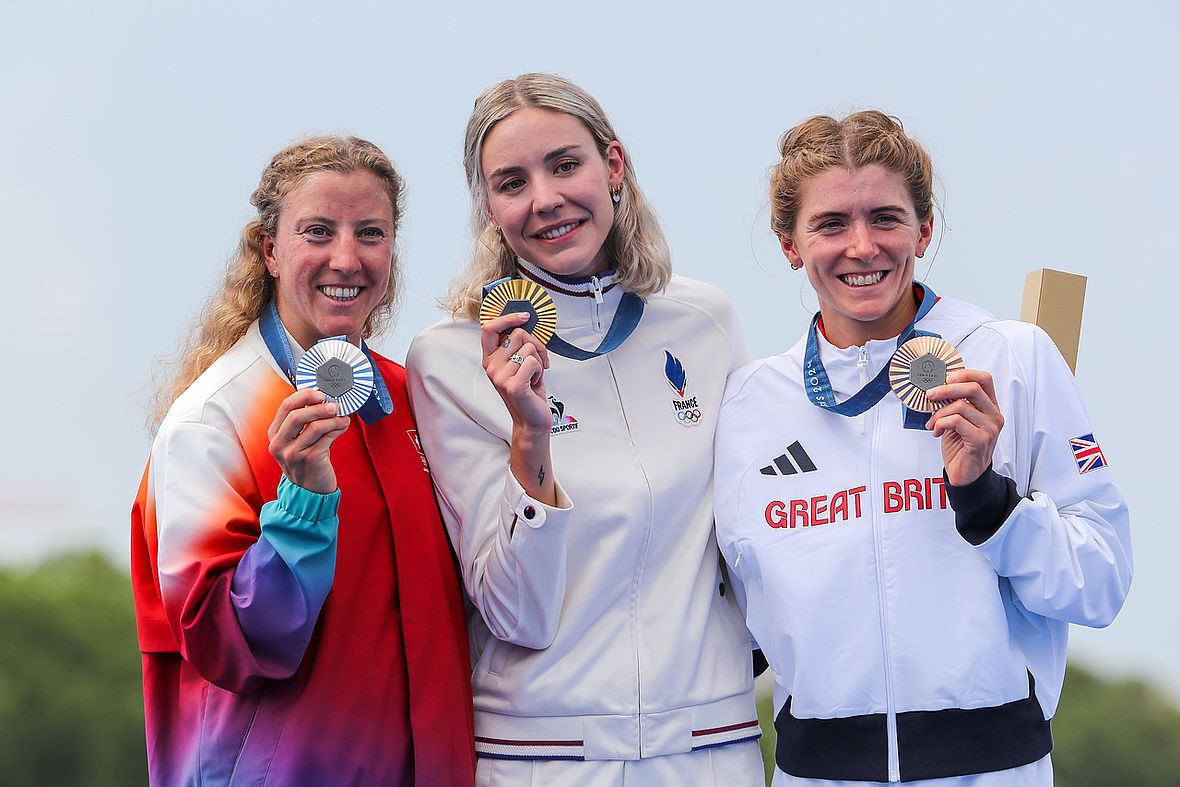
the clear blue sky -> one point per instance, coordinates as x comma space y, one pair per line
133, 133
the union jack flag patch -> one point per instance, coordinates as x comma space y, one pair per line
1087, 453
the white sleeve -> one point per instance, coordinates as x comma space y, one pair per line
511, 548
1066, 547
739, 354
728, 469
714, 306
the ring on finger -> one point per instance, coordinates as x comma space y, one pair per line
516, 358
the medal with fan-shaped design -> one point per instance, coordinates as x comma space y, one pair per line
919, 365
508, 296
340, 370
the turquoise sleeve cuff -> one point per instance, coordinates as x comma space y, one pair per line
302, 504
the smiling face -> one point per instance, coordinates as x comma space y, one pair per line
549, 190
331, 254
857, 234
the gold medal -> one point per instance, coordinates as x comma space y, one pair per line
919, 365
509, 296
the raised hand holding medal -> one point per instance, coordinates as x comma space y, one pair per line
929, 375
333, 378
517, 318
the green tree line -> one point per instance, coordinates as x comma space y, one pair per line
71, 700
71, 705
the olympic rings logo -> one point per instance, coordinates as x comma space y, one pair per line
689, 416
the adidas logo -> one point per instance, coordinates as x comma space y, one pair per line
782, 464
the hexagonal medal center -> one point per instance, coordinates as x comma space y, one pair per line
927, 371
334, 377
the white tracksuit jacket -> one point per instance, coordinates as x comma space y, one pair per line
900, 650
605, 628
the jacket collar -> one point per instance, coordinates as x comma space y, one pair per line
580, 300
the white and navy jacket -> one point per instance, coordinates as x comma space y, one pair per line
604, 627
908, 643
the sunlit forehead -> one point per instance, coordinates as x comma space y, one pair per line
532, 136
841, 193
338, 201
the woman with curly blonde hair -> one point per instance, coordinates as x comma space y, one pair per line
299, 616
248, 287
574, 474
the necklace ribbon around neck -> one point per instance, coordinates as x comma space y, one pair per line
819, 387
626, 318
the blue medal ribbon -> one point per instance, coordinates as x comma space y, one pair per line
819, 387
379, 403
626, 318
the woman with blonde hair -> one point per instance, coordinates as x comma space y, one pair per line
575, 476
299, 616
910, 563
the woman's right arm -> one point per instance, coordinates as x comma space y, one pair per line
515, 363
511, 544
241, 591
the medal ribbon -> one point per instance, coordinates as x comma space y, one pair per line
819, 387
626, 317
379, 403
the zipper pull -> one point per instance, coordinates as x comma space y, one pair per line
862, 366
596, 288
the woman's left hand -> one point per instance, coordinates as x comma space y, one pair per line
969, 424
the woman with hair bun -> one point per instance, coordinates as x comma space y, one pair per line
909, 563
574, 471
299, 616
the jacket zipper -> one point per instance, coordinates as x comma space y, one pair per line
596, 309
640, 561
894, 762
862, 365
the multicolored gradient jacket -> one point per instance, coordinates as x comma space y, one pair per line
285, 642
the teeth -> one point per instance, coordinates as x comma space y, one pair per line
856, 280
558, 232
341, 293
